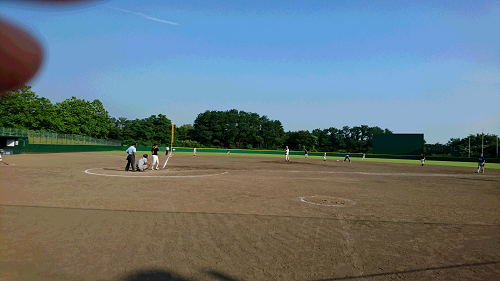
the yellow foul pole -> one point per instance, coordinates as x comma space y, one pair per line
171, 148
172, 142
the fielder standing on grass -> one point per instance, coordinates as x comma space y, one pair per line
422, 159
480, 163
194, 151
324, 156
154, 153
287, 154
131, 157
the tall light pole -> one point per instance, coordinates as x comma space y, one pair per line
469, 146
482, 140
482, 144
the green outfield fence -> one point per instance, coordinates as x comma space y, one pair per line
38, 137
15, 141
398, 144
58, 148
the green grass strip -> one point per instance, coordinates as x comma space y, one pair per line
331, 158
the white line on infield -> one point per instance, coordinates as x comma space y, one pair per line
125, 176
303, 199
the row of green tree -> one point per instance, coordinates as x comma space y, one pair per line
23, 109
239, 129
486, 143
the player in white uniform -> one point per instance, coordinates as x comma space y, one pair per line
324, 156
194, 151
287, 154
143, 164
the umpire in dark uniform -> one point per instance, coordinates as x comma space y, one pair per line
131, 157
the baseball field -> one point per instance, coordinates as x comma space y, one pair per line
80, 216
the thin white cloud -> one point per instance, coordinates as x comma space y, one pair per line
144, 16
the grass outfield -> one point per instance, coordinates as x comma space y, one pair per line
331, 158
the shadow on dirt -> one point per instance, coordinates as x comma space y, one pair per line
287, 163
479, 179
153, 275
160, 274
408, 271
115, 169
221, 276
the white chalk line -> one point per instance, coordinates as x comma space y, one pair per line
305, 201
125, 176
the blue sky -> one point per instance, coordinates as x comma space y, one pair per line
429, 67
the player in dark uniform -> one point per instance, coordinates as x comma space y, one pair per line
347, 158
480, 163
422, 159
154, 153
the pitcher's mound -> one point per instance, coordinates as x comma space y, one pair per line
170, 172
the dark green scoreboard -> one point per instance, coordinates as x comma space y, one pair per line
398, 144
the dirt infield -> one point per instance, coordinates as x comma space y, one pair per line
80, 216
